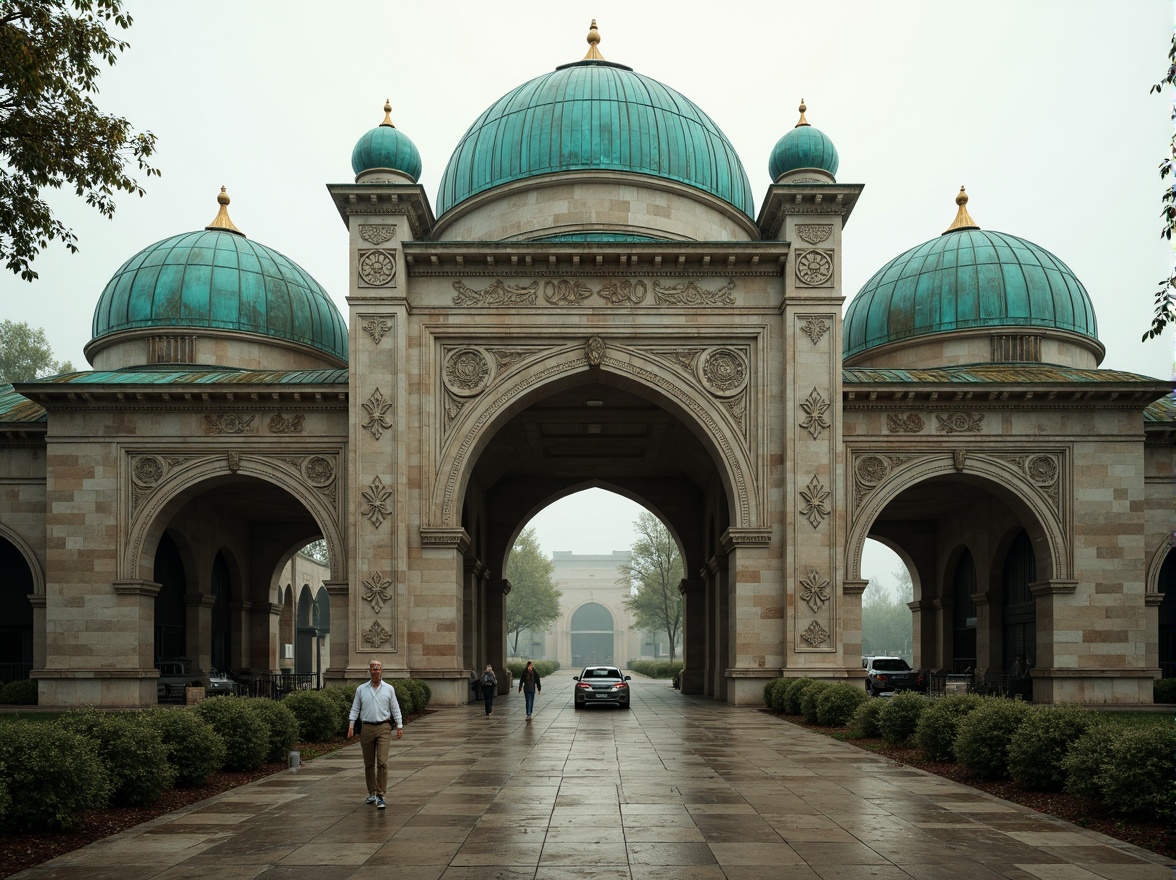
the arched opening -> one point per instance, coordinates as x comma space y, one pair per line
171, 619
16, 614
593, 635
963, 613
222, 630
1019, 612
1167, 640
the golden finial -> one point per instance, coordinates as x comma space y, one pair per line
593, 39
963, 219
802, 121
222, 221
387, 113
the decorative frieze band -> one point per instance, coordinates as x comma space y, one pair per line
576, 292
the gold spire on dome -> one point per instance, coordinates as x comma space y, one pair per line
963, 219
593, 39
387, 114
802, 121
222, 221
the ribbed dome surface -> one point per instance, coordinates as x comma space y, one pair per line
594, 116
386, 147
970, 278
216, 279
803, 147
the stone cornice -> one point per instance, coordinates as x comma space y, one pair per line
175, 397
588, 259
455, 538
733, 538
808, 199
1000, 395
376, 199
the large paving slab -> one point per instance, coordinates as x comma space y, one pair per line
679, 787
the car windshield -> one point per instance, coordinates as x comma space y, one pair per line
601, 672
895, 665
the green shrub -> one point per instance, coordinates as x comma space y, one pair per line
319, 715
982, 744
793, 693
768, 689
428, 691
131, 751
809, 697
5, 799
864, 724
939, 725
281, 726
403, 696
1163, 690
899, 718
1087, 757
547, 667
19, 693
1039, 745
413, 686
342, 697
835, 707
1137, 778
194, 749
52, 775
778, 692
244, 731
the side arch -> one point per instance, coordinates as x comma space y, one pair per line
1003, 480
189, 478
30, 558
710, 423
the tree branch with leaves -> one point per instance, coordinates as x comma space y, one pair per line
51, 132
654, 576
1165, 298
532, 604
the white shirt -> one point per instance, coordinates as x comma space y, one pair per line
374, 706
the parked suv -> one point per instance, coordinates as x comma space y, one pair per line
890, 674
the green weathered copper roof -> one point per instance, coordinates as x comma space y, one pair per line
16, 407
597, 236
217, 279
200, 377
994, 374
1162, 410
386, 147
594, 115
803, 147
967, 279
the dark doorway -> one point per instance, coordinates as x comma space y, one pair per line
16, 615
171, 625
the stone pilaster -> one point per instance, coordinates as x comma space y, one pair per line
198, 647
495, 618
757, 607
694, 613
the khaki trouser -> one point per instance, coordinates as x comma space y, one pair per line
374, 740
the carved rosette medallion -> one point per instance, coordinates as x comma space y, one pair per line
814, 407
814, 591
908, 423
228, 423
467, 372
377, 234
318, 470
377, 268
594, 351
814, 268
280, 424
375, 502
871, 470
959, 423
814, 327
375, 636
379, 417
815, 635
723, 371
813, 233
813, 502
377, 590
148, 470
1042, 469
376, 327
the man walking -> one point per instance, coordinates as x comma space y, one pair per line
376, 705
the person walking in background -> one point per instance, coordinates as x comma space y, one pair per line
529, 685
489, 684
375, 704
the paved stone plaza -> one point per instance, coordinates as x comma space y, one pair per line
679, 787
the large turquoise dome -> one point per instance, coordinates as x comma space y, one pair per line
966, 279
594, 116
804, 147
216, 278
386, 148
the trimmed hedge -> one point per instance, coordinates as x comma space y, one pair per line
193, 748
52, 775
792, 694
836, 706
809, 697
653, 668
281, 726
131, 751
899, 718
1086, 758
547, 667
244, 731
342, 697
320, 715
403, 696
982, 744
768, 689
939, 725
1039, 745
19, 693
865, 721
1137, 780
1163, 691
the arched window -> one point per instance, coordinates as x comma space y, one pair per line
592, 635
1167, 587
1020, 608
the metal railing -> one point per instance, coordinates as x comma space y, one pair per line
277, 685
14, 672
991, 684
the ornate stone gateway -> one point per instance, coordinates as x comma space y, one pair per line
596, 303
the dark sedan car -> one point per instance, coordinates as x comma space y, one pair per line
602, 685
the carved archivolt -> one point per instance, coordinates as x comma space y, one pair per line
814, 268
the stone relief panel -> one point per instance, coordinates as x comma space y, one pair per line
377, 268
1043, 470
722, 372
280, 424
375, 327
377, 591
148, 471
814, 504
814, 268
814, 327
574, 292
377, 233
376, 636
814, 233
959, 423
497, 294
815, 407
376, 500
815, 636
907, 423
814, 590
378, 418
228, 423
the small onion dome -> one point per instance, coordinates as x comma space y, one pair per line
970, 279
803, 149
385, 153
